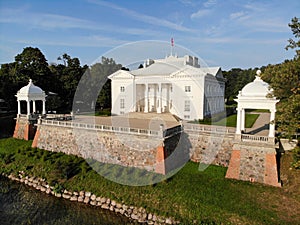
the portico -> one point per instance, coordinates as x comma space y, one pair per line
153, 97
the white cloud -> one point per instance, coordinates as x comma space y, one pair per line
237, 15
79, 41
44, 21
210, 3
142, 17
187, 2
200, 13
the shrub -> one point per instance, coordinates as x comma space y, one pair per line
296, 156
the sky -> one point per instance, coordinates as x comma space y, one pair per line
225, 33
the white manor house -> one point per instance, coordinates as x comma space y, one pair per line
175, 84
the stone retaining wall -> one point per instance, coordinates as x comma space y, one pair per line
254, 162
107, 147
210, 148
24, 129
136, 150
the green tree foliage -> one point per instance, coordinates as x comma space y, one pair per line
69, 74
59, 79
284, 78
236, 79
95, 87
295, 27
31, 63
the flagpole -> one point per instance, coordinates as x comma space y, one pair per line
172, 45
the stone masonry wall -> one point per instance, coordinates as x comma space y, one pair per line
107, 147
210, 148
24, 129
254, 164
135, 150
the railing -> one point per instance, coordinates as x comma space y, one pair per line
97, 127
208, 129
254, 138
59, 116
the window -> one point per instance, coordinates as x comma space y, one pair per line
186, 116
187, 88
122, 103
187, 106
122, 89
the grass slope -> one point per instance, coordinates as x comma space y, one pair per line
191, 196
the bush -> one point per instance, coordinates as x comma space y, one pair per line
296, 156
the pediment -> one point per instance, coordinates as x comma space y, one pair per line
121, 74
186, 71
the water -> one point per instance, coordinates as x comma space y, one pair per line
20, 204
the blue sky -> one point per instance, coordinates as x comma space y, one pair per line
227, 33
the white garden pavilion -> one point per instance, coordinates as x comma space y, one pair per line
31, 93
256, 95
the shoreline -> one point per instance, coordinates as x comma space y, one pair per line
139, 215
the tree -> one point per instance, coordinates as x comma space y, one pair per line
95, 86
236, 79
67, 77
31, 63
295, 27
284, 78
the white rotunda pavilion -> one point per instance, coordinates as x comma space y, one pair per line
256, 95
31, 93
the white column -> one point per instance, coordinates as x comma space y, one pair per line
28, 107
146, 99
134, 102
243, 120
160, 98
34, 108
238, 121
272, 124
44, 107
19, 107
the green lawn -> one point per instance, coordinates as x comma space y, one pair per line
204, 197
230, 121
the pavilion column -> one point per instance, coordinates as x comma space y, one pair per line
238, 121
146, 99
44, 107
28, 107
34, 108
243, 120
272, 124
19, 107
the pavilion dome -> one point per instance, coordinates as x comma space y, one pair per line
257, 88
30, 88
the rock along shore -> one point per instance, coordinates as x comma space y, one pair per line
138, 214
